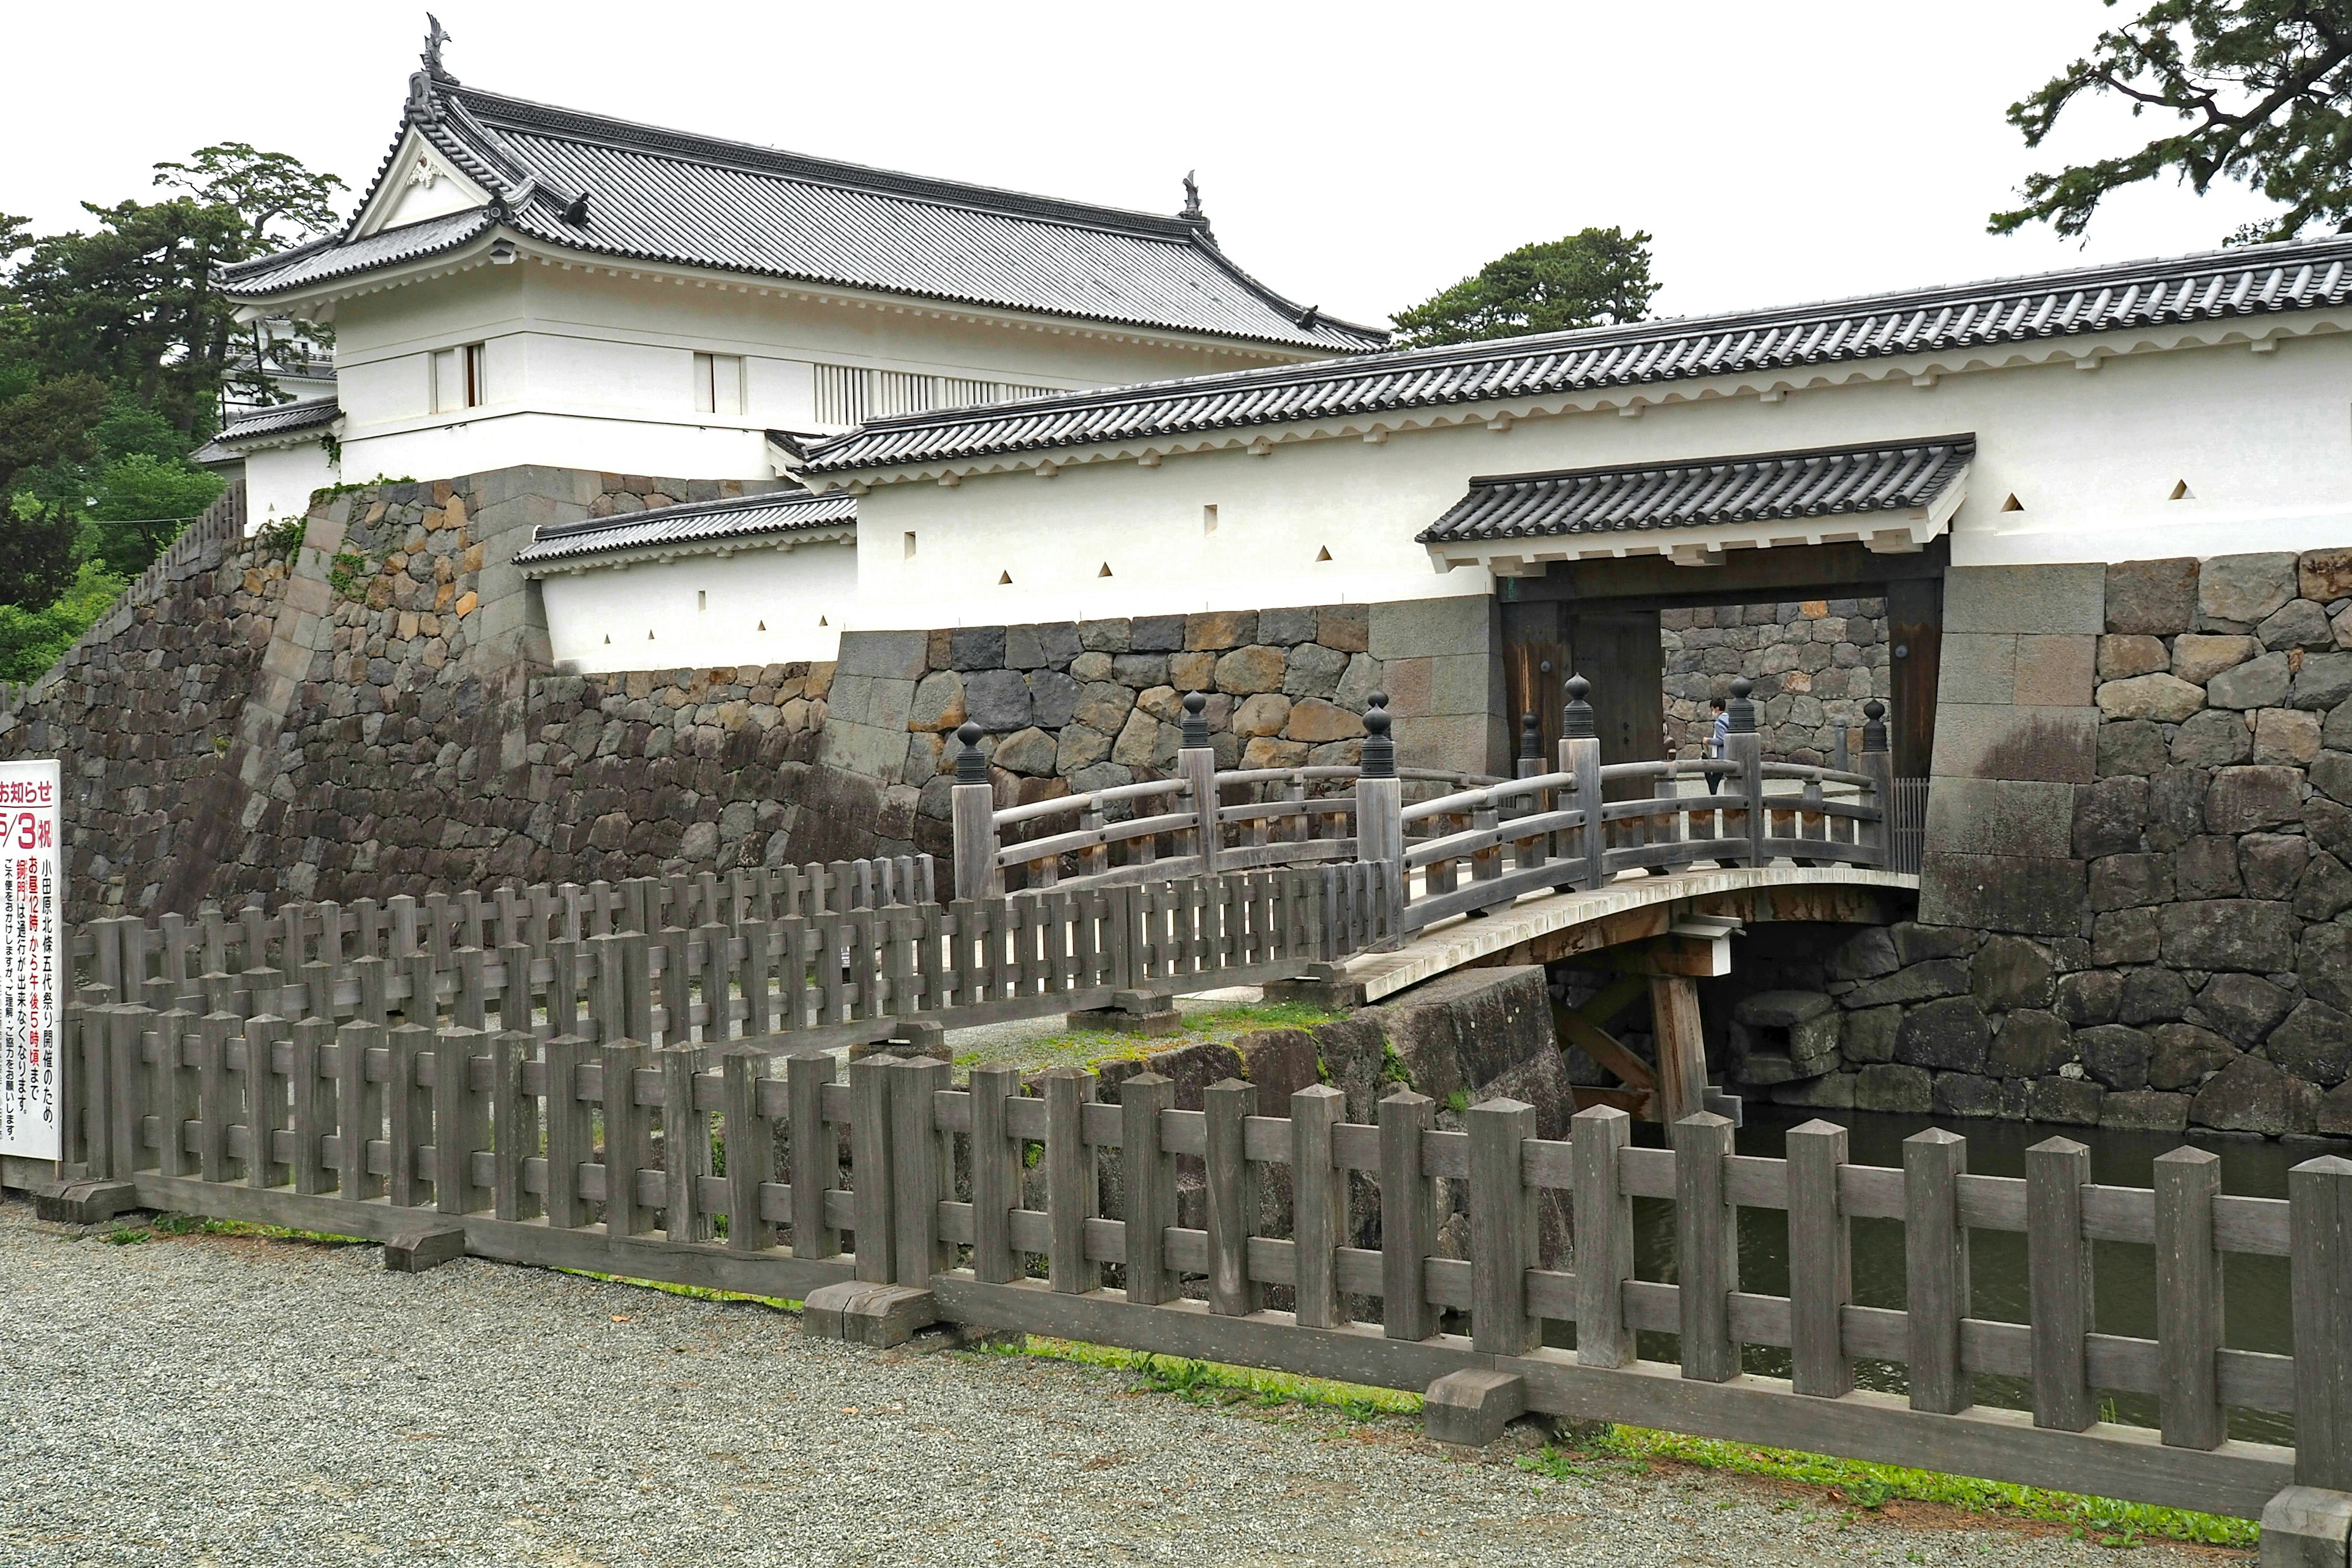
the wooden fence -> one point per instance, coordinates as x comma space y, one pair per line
1481, 847
566, 1151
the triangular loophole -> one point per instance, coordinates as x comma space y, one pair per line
1324, 553
649, 633
2011, 505
823, 622
1003, 579
763, 625
1106, 570
608, 640
2180, 490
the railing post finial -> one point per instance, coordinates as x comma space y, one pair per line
1380, 752
1195, 728
1873, 726
1742, 711
971, 766
1530, 739
1576, 716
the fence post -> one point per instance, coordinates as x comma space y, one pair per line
2189, 1299
869, 1169
1073, 1188
815, 1150
1820, 1262
1936, 1268
1879, 764
996, 1176
1743, 745
2058, 1263
751, 1150
1151, 1182
1706, 1237
1232, 1200
922, 1167
1196, 764
1318, 1193
1380, 811
1408, 1215
2319, 1193
1580, 755
1605, 1237
1502, 1229
972, 806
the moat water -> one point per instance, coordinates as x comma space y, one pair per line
2256, 1301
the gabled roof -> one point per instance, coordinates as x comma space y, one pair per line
658, 195
1965, 318
1821, 482
692, 526
280, 423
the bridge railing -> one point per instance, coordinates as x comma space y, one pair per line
541, 1147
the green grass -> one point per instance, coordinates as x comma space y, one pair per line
1212, 1026
1865, 1486
197, 1224
1857, 1484
691, 1292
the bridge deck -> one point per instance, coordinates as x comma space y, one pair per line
1465, 940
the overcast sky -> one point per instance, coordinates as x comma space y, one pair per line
1359, 157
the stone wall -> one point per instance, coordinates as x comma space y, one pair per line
1814, 663
369, 718
1076, 706
2136, 909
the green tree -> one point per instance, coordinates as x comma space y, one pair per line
2262, 94
141, 503
43, 428
31, 640
1596, 276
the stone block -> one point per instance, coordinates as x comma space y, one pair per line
2206, 867
1964, 1094
2121, 657
1409, 683
2157, 598
875, 1316
1950, 1033
2218, 737
1286, 628
1030, 751
1831, 1091
2198, 657
1977, 666
2038, 598
2260, 682
2314, 1044
2324, 575
1156, 634
2167, 699
2144, 1111
2243, 1007
2032, 895
2236, 592
997, 699
2129, 748
896, 655
2323, 680
1865, 955
977, 647
2324, 964
1423, 629
938, 703
1868, 1035
2249, 1095
423, 1248
1920, 982
2115, 1055
1466, 1029
2000, 816
1989, 742
1465, 684
2055, 671
2307, 1527
2245, 799
1217, 630
2228, 933
1776, 1036
1472, 1407
88, 1201
2271, 864
2175, 806
2298, 622
1313, 670
2069, 1100
1891, 1087
2129, 881
864, 750
1248, 670
2110, 816
2089, 996
2125, 936
1317, 722
2009, 972
2031, 1044
1467, 742
1345, 627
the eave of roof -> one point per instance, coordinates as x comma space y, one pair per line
1784, 341
516, 150
1819, 481
264, 427
690, 528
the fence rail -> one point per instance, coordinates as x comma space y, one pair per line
1478, 848
707, 1167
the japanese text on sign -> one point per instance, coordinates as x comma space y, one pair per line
30, 957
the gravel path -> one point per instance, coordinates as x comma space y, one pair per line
220, 1400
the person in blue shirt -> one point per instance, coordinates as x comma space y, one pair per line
1715, 739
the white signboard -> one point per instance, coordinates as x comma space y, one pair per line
31, 954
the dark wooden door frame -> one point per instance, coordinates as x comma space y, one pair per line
1538, 615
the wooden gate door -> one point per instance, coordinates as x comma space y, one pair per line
1617, 649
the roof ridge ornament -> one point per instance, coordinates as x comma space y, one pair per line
434, 37
1192, 213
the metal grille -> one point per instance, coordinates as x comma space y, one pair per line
1907, 824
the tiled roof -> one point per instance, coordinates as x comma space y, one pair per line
281, 420
1825, 481
692, 524
669, 197
1960, 319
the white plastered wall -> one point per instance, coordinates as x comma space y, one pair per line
765, 605
591, 367
2262, 439
278, 480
